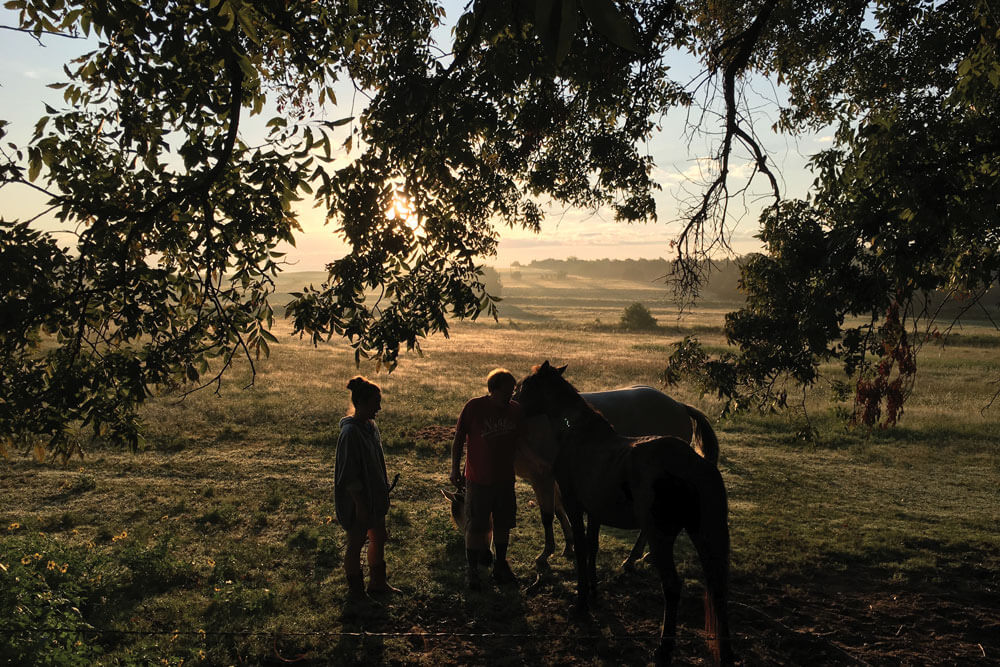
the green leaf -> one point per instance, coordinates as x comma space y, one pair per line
248, 69
338, 123
34, 166
226, 12
246, 22
608, 20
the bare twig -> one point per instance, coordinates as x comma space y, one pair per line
37, 33
691, 244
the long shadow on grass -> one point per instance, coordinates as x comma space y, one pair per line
876, 607
622, 627
359, 642
490, 626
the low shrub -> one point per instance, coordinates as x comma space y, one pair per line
637, 318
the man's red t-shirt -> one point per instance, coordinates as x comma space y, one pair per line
492, 432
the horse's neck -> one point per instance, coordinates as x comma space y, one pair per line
582, 422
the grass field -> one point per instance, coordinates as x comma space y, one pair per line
217, 545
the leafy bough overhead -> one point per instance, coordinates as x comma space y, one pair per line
901, 235
174, 219
174, 211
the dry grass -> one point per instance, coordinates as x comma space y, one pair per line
877, 549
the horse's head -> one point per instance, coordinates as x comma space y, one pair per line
546, 392
538, 392
457, 502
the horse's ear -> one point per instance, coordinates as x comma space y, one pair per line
561, 369
544, 366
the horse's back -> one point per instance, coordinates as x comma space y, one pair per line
618, 482
668, 472
653, 455
642, 410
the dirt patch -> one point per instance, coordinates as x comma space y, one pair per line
867, 628
432, 433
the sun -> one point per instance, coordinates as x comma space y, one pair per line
402, 208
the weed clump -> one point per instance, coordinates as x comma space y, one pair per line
225, 516
80, 484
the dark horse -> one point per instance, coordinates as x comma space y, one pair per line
657, 484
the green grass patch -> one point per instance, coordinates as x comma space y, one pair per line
217, 544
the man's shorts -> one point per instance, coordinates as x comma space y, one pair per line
485, 500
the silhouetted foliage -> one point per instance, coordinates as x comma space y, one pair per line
173, 217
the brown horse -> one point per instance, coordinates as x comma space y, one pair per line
632, 411
659, 485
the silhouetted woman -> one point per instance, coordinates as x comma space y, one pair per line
361, 490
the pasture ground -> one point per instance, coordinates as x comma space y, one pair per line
217, 545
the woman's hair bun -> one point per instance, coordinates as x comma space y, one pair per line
362, 389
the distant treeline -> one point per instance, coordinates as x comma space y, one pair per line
963, 306
722, 283
724, 279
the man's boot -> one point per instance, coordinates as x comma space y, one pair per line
356, 587
502, 573
378, 583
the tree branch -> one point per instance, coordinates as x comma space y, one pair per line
37, 33
735, 52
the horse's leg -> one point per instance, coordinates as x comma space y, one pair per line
635, 555
580, 544
564, 523
662, 547
593, 539
544, 487
712, 544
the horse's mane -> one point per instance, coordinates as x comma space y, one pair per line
570, 393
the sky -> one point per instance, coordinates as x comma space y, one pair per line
26, 67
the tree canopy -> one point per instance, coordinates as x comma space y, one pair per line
906, 203
176, 215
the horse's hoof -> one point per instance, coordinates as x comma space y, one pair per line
662, 656
535, 586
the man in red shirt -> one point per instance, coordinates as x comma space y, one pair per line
490, 425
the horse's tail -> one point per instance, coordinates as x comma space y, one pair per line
708, 443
